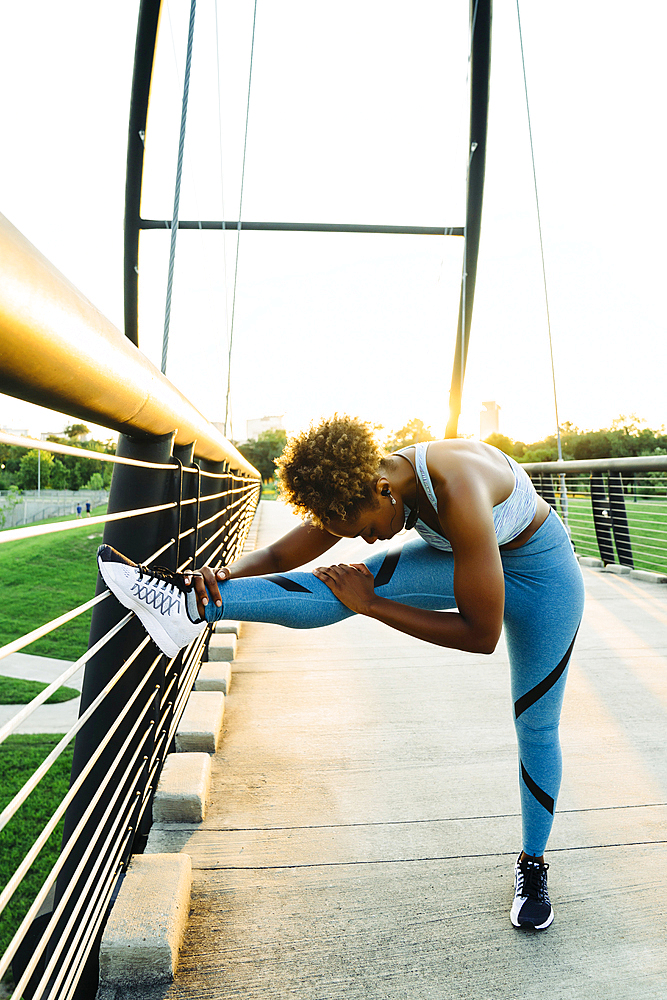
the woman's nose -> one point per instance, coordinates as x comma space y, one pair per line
370, 541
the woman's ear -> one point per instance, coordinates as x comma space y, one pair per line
382, 487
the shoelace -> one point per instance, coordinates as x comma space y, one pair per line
160, 574
532, 881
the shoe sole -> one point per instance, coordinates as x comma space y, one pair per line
161, 639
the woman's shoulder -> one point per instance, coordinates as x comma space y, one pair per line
458, 462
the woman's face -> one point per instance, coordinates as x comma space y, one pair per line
381, 521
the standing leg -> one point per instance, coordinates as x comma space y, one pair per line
543, 608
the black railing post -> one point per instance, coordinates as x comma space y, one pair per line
602, 518
619, 520
209, 508
137, 538
144, 54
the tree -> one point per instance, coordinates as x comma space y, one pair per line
96, 482
76, 431
501, 442
59, 475
263, 451
7, 505
414, 431
27, 477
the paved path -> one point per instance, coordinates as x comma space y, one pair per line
366, 818
47, 718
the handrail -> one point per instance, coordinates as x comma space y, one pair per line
57, 350
641, 463
615, 509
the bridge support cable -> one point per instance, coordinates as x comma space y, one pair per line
480, 64
222, 175
238, 227
544, 270
177, 186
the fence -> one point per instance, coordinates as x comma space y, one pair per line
178, 498
615, 509
31, 506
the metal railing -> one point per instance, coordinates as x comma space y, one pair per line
615, 508
179, 498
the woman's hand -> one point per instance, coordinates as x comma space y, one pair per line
353, 585
207, 578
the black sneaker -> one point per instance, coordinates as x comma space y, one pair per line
160, 598
531, 907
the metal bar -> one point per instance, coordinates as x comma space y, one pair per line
43, 892
100, 860
144, 55
37, 633
643, 463
16, 534
303, 227
17, 719
136, 541
16, 441
27, 861
480, 65
57, 350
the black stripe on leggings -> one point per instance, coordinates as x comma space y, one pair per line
541, 796
386, 570
530, 697
287, 584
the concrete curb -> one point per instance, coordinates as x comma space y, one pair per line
183, 789
647, 576
636, 574
222, 648
201, 722
145, 929
214, 677
223, 627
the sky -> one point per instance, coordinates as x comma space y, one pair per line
358, 113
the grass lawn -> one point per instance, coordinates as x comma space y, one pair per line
20, 755
16, 691
44, 577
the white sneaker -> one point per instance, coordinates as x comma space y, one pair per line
158, 597
531, 907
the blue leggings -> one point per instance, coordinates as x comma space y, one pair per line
544, 599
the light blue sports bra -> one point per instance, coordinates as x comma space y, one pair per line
510, 517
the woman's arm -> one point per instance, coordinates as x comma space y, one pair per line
297, 547
479, 586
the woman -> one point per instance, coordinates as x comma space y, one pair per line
490, 547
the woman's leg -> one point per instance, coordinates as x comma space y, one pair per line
544, 598
414, 574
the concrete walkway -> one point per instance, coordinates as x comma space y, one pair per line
57, 718
366, 818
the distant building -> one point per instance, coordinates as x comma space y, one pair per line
17, 432
489, 420
256, 427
